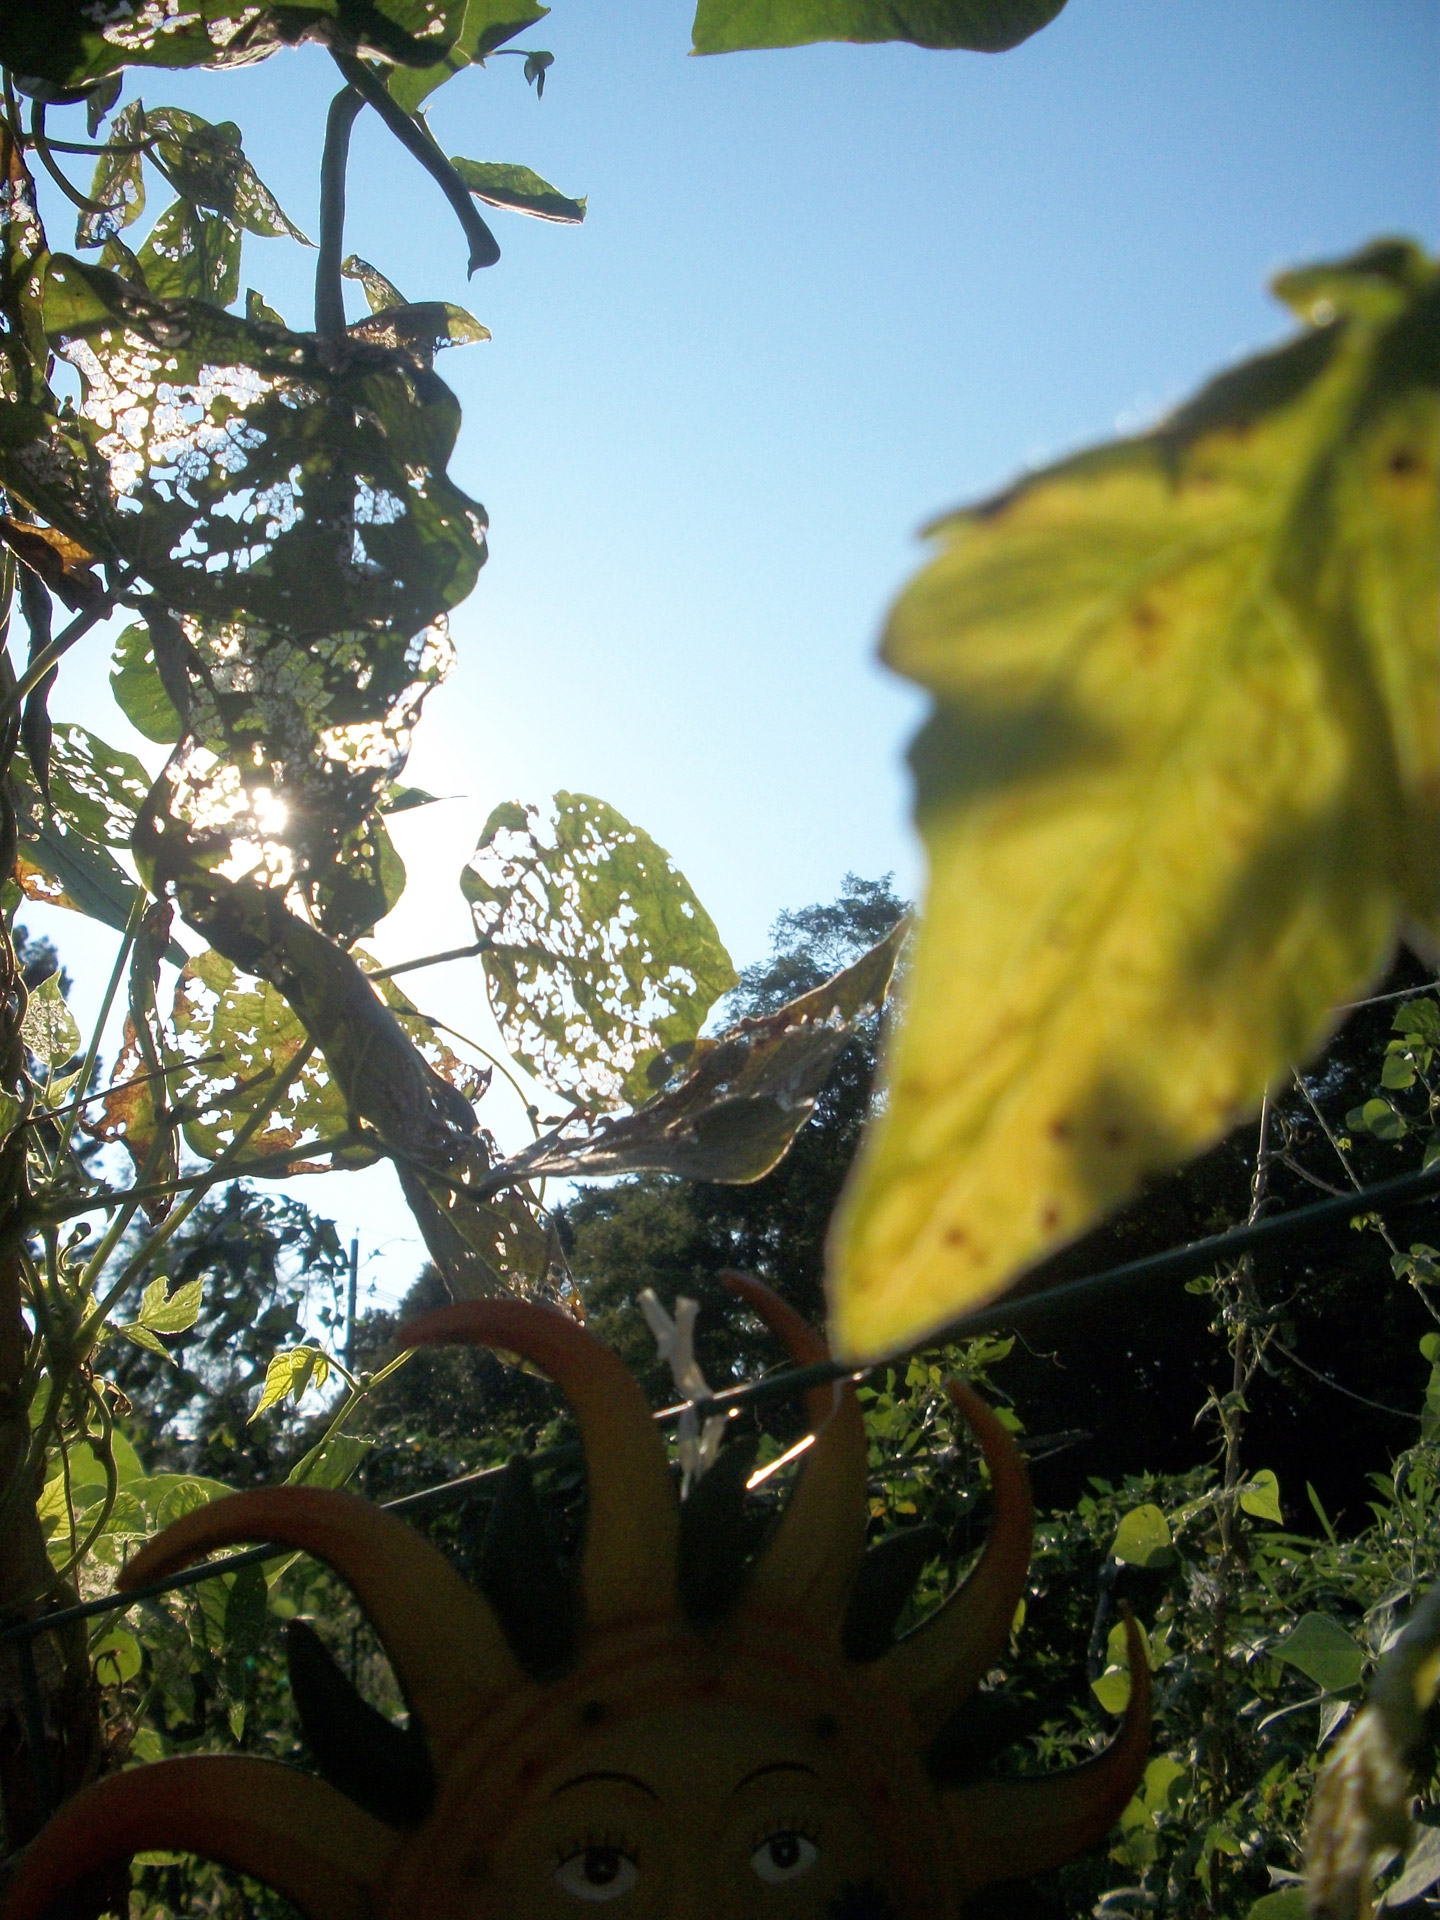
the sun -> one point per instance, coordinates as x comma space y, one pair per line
679, 1738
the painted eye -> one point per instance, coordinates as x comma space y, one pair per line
784, 1857
597, 1873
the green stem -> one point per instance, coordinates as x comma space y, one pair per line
132, 927
418, 141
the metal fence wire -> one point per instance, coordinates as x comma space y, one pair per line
1183, 1262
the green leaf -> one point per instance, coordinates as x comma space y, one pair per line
246, 1608
1286, 1904
482, 25
234, 1037
174, 1312
332, 1463
600, 957
742, 1097
1381, 1119
142, 1337
288, 1374
422, 328
139, 689
519, 189
315, 499
1419, 1020
984, 26
1231, 620
118, 185
1112, 1689
1398, 1071
380, 294
63, 870
68, 43
1261, 1496
257, 307
192, 255
1324, 1652
116, 1658
96, 789
48, 1028
1143, 1539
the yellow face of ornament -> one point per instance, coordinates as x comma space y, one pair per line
657, 1757
684, 1813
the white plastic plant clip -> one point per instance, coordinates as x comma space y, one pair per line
675, 1339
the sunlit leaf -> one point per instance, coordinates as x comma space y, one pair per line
258, 308
1143, 1538
139, 689
116, 1658
1261, 1496
380, 294
600, 957
519, 189
48, 1028
206, 166
332, 1463
1178, 792
95, 788
233, 1039
177, 1312
741, 1097
985, 26
61, 869
289, 1374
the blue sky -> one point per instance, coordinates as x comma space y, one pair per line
820, 296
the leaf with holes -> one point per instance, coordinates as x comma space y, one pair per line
190, 254
1178, 791
234, 1038
72, 42
96, 789
984, 26
600, 958
118, 186
315, 500
48, 1028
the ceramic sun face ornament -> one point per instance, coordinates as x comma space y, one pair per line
681, 1743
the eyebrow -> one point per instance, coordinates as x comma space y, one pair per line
584, 1779
776, 1766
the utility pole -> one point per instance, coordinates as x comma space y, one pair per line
351, 1293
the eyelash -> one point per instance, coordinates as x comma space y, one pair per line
786, 1823
608, 1837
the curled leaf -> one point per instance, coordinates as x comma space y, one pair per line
742, 1096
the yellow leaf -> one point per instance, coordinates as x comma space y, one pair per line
1178, 793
